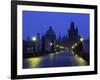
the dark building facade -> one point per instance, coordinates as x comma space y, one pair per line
49, 41
50, 34
73, 35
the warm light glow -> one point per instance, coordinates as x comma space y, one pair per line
80, 60
33, 62
81, 39
56, 45
75, 44
33, 38
61, 47
50, 44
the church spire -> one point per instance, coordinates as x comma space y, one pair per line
50, 28
72, 25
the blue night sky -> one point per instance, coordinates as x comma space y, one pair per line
39, 22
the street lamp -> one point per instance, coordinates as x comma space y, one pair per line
34, 39
50, 44
75, 44
56, 45
81, 39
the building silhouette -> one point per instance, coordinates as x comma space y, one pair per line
38, 43
50, 34
50, 39
50, 43
73, 35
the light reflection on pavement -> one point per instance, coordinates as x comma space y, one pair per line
58, 59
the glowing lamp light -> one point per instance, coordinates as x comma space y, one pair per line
75, 44
56, 45
33, 38
81, 39
50, 44
61, 47
34, 62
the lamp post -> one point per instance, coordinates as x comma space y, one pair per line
52, 46
81, 44
81, 39
34, 40
78, 47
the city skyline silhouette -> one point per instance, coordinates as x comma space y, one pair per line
39, 22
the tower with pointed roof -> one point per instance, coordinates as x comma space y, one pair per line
73, 35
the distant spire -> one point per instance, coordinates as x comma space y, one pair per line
50, 27
72, 25
38, 34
